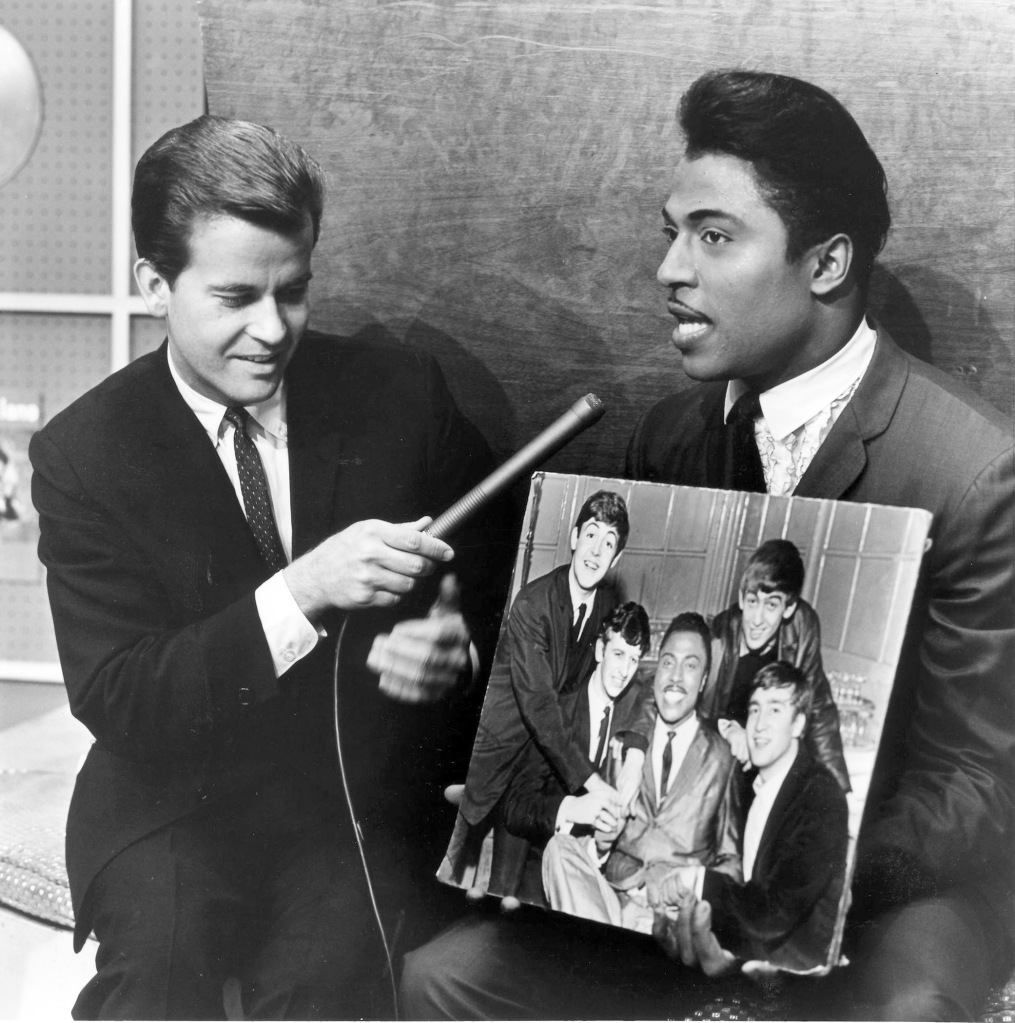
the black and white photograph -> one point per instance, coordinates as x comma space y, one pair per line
686, 703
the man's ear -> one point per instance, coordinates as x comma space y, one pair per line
831, 261
600, 650
574, 539
788, 610
153, 287
799, 723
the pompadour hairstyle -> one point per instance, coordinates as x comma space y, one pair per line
608, 507
783, 675
812, 163
219, 167
691, 621
630, 622
775, 566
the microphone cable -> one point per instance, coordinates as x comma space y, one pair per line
357, 829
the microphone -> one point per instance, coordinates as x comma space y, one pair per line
581, 415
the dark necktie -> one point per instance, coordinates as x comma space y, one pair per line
664, 781
576, 629
254, 487
604, 734
742, 468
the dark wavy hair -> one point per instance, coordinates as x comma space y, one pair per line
775, 566
215, 167
783, 675
630, 622
610, 508
812, 163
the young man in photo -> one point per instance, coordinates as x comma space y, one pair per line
794, 840
546, 650
536, 805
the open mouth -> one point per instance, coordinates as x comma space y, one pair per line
690, 323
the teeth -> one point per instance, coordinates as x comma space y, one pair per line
689, 328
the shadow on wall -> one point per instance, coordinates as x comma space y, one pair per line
946, 324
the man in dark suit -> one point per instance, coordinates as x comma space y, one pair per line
778, 212
212, 517
794, 840
547, 650
536, 804
776, 216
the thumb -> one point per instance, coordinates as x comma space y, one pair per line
448, 601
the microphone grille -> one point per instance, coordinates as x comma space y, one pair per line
589, 408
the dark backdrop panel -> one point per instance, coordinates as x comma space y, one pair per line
497, 171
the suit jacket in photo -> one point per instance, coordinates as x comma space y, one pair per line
940, 809
152, 570
787, 911
534, 666
798, 642
534, 796
698, 822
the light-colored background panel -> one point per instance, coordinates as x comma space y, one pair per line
498, 169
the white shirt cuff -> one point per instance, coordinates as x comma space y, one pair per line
289, 632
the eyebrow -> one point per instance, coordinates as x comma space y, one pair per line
245, 289
697, 216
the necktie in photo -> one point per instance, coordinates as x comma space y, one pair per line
604, 734
254, 487
576, 629
664, 781
742, 469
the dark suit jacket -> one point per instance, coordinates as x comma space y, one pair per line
940, 809
534, 665
799, 643
698, 822
786, 912
535, 793
152, 570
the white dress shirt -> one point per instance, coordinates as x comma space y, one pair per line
798, 414
289, 633
765, 792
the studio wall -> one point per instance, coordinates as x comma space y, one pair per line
497, 173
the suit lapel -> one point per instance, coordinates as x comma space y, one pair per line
316, 442
791, 786
842, 457
190, 482
690, 768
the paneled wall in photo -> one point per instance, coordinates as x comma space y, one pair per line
497, 172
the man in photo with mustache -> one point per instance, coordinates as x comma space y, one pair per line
686, 811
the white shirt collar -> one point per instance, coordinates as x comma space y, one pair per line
270, 415
684, 731
787, 406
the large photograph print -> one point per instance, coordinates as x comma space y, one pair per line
685, 704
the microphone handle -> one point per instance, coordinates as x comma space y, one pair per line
582, 414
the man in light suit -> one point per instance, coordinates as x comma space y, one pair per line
686, 810
212, 517
777, 214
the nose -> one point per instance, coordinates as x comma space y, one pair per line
267, 324
678, 266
